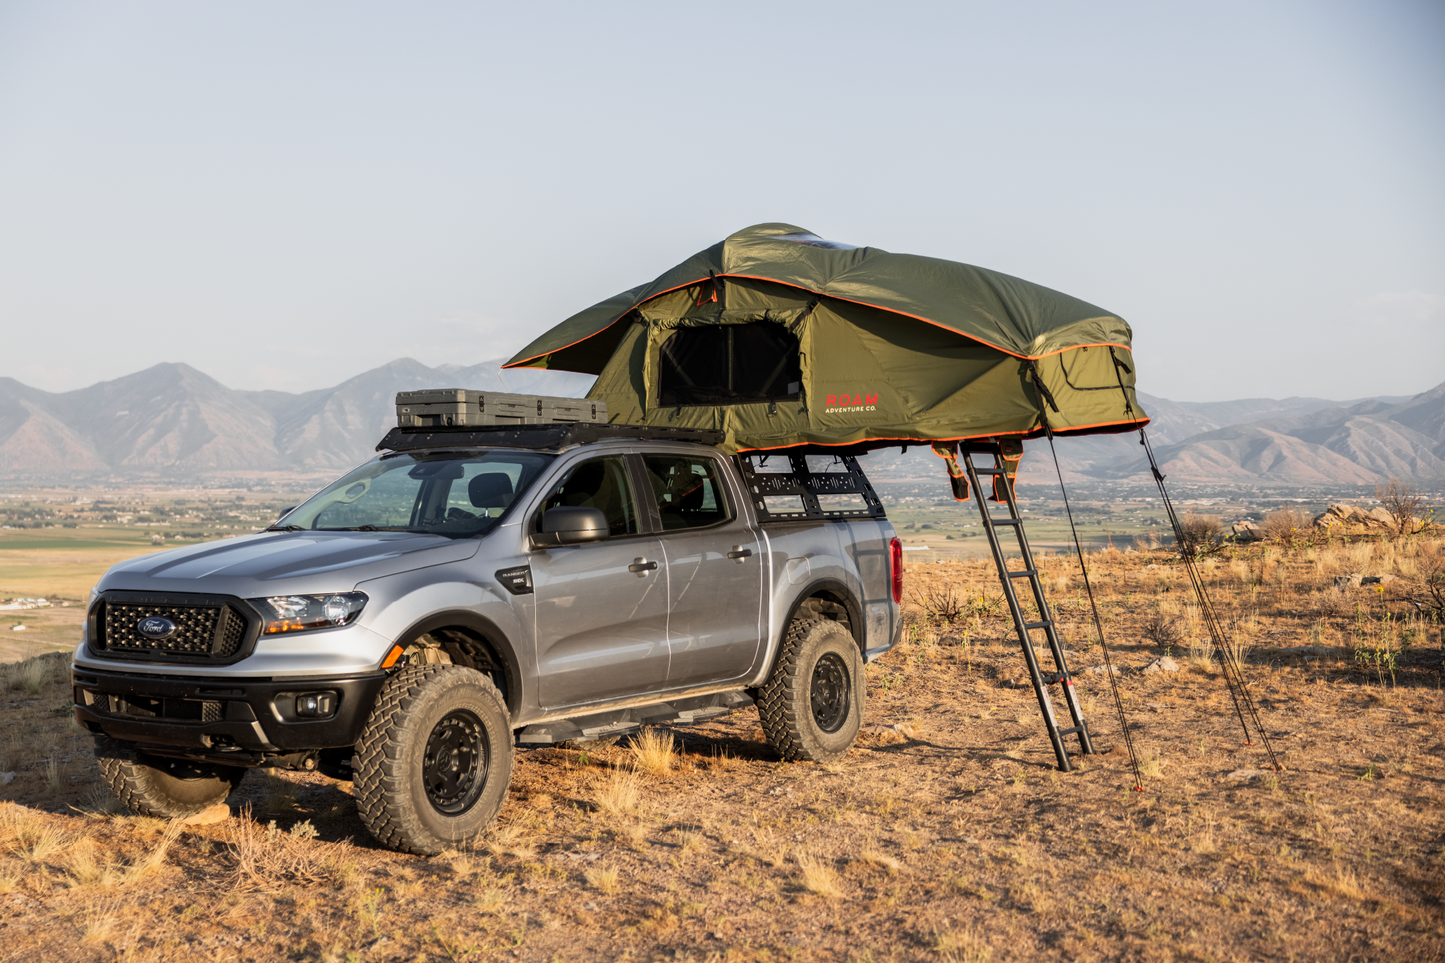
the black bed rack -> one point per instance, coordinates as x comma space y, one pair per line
807, 488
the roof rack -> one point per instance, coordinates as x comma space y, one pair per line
538, 437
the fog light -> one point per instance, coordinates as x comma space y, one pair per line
316, 705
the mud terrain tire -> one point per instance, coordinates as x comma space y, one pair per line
435, 759
812, 705
160, 787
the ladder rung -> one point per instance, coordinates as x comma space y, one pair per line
1037, 625
1006, 521
1071, 730
987, 471
1054, 678
1024, 573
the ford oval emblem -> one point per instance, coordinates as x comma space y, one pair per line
156, 627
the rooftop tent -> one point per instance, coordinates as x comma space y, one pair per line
780, 338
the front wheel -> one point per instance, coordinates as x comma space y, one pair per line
435, 759
812, 705
159, 787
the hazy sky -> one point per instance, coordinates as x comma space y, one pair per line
286, 194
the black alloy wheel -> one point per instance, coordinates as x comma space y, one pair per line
812, 704
433, 763
829, 693
454, 766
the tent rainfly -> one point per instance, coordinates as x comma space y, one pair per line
781, 339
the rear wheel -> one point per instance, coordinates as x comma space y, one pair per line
434, 760
812, 705
160, 787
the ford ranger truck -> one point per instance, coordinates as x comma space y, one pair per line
468, 592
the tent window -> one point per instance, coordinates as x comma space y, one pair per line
729, 364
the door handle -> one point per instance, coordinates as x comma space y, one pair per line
739, 553
642, 565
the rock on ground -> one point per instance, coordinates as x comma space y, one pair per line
220, 812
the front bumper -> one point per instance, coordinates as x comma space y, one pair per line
243, 719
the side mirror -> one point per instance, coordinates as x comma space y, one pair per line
567, 525
285, 512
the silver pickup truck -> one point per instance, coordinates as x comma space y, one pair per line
471, 591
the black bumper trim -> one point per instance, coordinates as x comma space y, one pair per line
249, 718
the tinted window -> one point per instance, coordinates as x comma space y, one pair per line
688, 492
602, 484
729, 364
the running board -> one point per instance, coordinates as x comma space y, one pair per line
622, 722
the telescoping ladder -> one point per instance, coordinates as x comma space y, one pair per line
1041, 680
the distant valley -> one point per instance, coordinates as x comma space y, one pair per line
172, 421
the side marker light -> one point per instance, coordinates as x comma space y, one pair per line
391, 657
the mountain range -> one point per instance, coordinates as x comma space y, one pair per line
173, 420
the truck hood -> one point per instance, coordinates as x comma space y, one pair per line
293, 563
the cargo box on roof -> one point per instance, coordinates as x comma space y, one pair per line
465, 408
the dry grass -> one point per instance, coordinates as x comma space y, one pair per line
654, 751
936, 845
604, 879
817, 876
619, 793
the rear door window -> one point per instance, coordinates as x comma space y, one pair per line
688, 490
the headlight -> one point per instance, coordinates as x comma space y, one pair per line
297, 613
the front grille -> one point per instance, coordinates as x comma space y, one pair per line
209, 628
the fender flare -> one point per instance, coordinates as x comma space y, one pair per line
490, 633
856, 626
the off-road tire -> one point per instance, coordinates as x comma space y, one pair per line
160, 787
395, 780
798, 727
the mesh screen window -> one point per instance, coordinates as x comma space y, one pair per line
729, 364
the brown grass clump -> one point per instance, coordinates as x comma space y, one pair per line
877, 860
818, 876
967, 947
654, 751
619, 793
604, 879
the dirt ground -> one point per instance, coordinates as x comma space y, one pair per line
947, 834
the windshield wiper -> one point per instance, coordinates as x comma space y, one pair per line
285, 528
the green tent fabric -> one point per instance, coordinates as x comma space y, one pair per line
781, 339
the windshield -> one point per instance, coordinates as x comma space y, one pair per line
456, 493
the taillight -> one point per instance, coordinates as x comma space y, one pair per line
895, 556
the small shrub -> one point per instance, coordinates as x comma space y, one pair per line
1163, 631
1403, 501
1201, 534
1287, 526
942, 604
